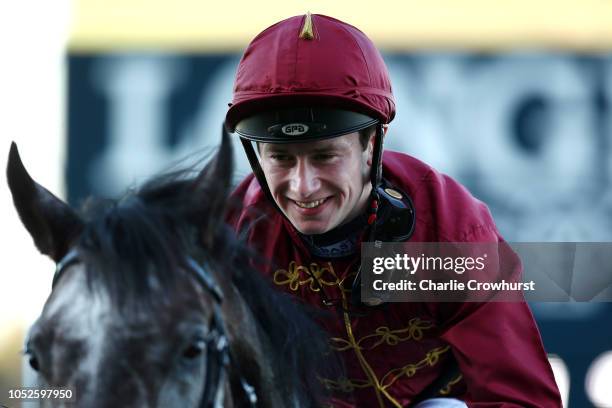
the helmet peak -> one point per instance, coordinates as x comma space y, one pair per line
307, 32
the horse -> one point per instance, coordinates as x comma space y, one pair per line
153, 302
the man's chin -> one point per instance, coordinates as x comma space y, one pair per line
307, 228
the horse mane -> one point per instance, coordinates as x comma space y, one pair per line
146, 233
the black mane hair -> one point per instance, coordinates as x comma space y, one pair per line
150, 231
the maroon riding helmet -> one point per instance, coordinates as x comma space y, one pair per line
305, 62
307, 78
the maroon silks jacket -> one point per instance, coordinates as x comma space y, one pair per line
394, 352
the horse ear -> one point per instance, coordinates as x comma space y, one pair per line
214, 184
51, 222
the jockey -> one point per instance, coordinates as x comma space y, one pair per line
312, 101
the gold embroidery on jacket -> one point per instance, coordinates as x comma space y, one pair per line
380, 392
431, 358
409, 370
447, 388
299, 275
344, 384
382, 334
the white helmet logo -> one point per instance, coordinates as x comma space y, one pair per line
295, 129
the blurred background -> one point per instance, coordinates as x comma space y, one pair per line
512, 98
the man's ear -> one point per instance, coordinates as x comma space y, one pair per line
385, 128
370, 149
52, 223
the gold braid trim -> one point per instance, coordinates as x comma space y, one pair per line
409, 370
298, 275
348, 385
432, 357
447, 388
365, 366
382, 334
345, 384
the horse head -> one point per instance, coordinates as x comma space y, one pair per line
143, 311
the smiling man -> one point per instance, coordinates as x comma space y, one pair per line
318, 186
312, 101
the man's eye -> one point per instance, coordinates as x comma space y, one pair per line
280, 157
324, 156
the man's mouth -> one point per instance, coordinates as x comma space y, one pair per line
310, 204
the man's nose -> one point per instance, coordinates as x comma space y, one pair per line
305, 179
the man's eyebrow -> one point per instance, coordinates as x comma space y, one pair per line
324, 149
277, 149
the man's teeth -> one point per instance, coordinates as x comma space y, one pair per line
310, 204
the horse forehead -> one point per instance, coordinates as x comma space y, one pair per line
75, 305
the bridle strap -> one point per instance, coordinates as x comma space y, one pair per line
218, 356
71, 258
206, 279
217, 360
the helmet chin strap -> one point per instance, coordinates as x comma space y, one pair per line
257, 170
375, 179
